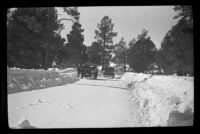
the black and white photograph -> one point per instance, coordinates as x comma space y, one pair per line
100, 67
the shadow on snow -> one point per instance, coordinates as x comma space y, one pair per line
102, 86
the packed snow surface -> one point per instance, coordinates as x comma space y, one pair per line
154, 97
84, 104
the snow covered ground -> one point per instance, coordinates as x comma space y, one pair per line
161, 100
150, 100
86, 103
19, 80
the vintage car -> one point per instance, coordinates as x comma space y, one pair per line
109, 72
89, 70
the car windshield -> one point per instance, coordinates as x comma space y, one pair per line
108, 69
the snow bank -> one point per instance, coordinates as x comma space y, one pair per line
24, 124
161, 100
19, 80
134, 77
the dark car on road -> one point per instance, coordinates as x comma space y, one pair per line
109, 72
89, 70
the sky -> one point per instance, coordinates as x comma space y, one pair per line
129, 21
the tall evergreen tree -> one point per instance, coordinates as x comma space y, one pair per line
75, 46
121, 53
141, 53
176, 53
104, 35
95, 53
64, 56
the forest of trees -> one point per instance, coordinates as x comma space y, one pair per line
34, 41
176, 52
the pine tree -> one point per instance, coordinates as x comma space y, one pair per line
176, 53
95, 52
121, 51
104, 36
75, 46
141, 53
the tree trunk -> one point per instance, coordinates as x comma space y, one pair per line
124, 63
46, 54
103, 63
43, 57
46, 59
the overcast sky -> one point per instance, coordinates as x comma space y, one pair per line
128, 21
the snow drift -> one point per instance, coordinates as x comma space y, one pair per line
160, 100
24, 124
19, 80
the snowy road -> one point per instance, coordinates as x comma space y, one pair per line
87, 103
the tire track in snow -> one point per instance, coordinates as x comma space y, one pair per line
79, 105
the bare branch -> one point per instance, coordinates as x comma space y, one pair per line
66, 19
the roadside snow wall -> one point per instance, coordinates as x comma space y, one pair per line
159, 100
19, 80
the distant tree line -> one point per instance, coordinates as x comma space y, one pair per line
174, 56
34, 41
